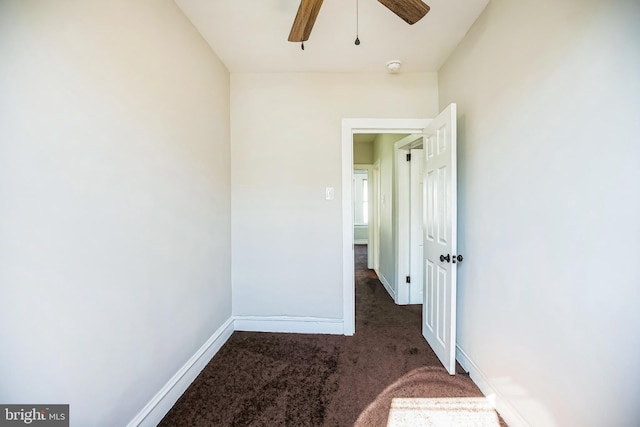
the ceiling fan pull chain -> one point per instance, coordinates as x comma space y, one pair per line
357, 23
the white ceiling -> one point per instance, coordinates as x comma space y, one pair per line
250, 36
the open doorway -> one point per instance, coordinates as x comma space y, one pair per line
379, 153
440, 229
409, 201
372, 199
365, 177
388, 214
351, 127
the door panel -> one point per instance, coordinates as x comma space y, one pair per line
429, 315
440, 222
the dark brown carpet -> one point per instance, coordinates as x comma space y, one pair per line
265, 379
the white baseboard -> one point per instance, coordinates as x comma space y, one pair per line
387, 286
361, 242
164, 400
290, 324
504, 408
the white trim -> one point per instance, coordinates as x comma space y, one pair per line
375, 216
290, 324
387, 286
411, 141
163, 401
349, 128
360, 242
401, 228
348, 258
510, 415
401, 219
416, 231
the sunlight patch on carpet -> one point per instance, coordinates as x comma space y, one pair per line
450, 412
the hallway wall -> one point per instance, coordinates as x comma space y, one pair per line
383, 150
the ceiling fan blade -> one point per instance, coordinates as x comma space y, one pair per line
305, 18
411, 11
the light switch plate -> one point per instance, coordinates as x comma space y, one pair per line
330, 193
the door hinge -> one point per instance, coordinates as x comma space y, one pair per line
409, 157
408, 279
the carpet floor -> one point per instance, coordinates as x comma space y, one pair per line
267, 379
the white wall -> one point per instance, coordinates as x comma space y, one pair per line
286, 148
383, 150
548, 97
115, 202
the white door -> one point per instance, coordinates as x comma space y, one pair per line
415, 223
440, 223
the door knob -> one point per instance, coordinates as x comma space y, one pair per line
457, 258
443, 258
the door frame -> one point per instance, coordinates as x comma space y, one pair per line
416, 229
401, 220
375, 219
349, 128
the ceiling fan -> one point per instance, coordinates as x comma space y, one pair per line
411, 11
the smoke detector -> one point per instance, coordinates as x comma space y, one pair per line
394, 65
